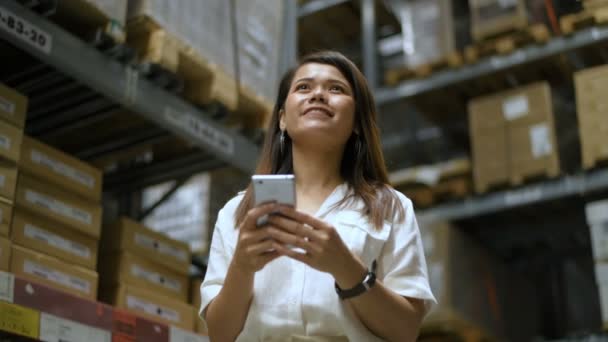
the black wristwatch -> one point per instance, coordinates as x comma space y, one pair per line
367, 283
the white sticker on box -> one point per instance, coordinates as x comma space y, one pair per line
56, 329
180, 335
25, 31
515, 107
57, 277
63, 169
135, 303
5, 142
161, 247
156, 278
7, 287
540, 139
7, 106
56, 241
58, 207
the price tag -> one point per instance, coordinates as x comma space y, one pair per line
25, 31
19, 320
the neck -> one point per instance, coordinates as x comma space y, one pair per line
317, 171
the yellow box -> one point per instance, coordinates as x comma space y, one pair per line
19, 320
130, 269
10, 141
13, 106
54, 239
8, 180
53, 272
130, 236
55, 204
6, 216
5, 254
56, 167
152, 306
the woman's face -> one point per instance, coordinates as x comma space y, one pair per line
320, 106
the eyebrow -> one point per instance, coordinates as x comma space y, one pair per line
333, 80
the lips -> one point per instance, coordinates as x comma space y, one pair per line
319, 109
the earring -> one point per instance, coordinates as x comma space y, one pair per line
282, 142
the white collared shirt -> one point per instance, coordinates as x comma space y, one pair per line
291, 298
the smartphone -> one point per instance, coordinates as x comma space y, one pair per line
273, 188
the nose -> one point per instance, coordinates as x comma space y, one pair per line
318, 94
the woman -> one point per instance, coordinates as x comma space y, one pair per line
350, 224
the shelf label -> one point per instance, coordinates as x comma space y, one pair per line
200, 129
25, 31
62, 169
7, 287
152, 309
5, 142
515, 107
540, 140
56, 241
163, 248
57, 277
522, 197
56, 329
155, 278
58, 207
179, 335
7, 106
19, 320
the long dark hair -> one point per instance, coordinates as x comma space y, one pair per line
362, 164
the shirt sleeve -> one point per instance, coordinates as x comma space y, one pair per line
217, 267
402, 265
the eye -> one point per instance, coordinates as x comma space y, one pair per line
302, 86
336, 88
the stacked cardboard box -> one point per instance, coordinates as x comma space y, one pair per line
513, 136
195, 300
597, 218
474, 288
492, 17
591, 105
146, 272
56, 222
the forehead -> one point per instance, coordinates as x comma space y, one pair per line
319, 71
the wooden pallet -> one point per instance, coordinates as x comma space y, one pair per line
586, 18
203, 82
518, 178
507, 42
397, 75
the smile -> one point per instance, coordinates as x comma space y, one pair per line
318, 109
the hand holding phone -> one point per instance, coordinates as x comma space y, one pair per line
273, 188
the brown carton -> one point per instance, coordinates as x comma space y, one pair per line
130, 269
151, 305
53, 272
8, 180
6, 216
492, 17
5, 254
55, 204
130, 236
13, 106
54, 166
10, 141
54, 239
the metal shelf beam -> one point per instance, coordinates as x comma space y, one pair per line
127, 87
493, 64
576, 185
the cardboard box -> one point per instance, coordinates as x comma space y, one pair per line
10, 141
8, 180
53, 272
54, 239
195, 292
130, 236
473, 286
151, 305
130, 269
13, 106
54, 166
6, 216
592, 105
55, 204
5, 254
492, 17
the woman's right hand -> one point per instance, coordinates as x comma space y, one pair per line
255, 248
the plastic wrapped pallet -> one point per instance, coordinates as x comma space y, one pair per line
427, 30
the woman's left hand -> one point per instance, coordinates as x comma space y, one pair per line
325, 250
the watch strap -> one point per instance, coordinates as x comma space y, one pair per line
366, 284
